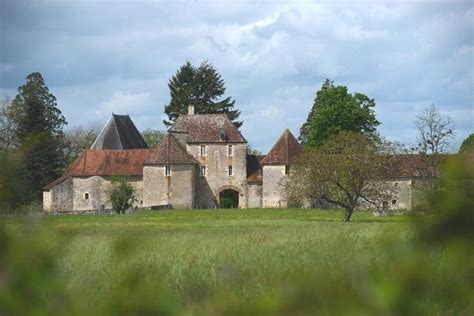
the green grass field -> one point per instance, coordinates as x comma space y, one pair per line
228, 262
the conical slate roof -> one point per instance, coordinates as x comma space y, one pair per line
119, 133
284, 151
168, 152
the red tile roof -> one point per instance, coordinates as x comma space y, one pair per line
285, 150
105, 163
406, 166
207, 128
169, 151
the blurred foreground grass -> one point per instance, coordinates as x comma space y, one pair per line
241, 262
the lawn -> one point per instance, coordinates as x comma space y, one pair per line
227, 262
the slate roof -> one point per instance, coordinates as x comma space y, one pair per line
254, 169
284, 151
207, 128
169, 151
105, 163
119, 133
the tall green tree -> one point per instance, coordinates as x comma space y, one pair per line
202, 87
467, 145
7, 126
39, 133
334, 110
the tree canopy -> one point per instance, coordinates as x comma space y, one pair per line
435, 130
334, 110
152, 137
78, 139
467, 145
7, 126
344, 172
39, 133
202, 87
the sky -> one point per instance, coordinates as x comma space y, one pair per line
99, 57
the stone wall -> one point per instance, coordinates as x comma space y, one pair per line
401, 201
59, 198
70, 195
254, 196
273, 176
177, 190
404, 195
47, 203
217, 162
99, 190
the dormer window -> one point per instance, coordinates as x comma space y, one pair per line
223, 135
230, 150
167, 171
203, 150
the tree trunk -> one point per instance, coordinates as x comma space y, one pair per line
348, 214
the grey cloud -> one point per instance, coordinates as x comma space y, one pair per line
273, 56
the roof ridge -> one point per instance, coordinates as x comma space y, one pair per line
170, 151
280, 152
182, 147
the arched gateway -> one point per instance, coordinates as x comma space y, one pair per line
228, 197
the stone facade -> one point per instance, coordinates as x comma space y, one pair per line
201, 161
86, 195
176, 189
404, 199
217, 161
99, 189
254, 196
59, 198
273, 178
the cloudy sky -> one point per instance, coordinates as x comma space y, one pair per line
100, 57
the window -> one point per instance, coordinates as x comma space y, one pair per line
86, 196
230, 171
230, 150
287, 169
167, 171
203, 150
394, 202
203, 171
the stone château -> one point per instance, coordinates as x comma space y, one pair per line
202, 162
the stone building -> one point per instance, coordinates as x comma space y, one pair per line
202, 162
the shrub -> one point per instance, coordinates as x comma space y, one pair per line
122, 196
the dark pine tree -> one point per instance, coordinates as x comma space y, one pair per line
39, 133
202, 87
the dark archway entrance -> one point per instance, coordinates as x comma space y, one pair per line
229, 198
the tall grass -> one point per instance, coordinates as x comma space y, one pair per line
220, 262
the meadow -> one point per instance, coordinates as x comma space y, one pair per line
230, 262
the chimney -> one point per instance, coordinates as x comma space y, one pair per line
190, 109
